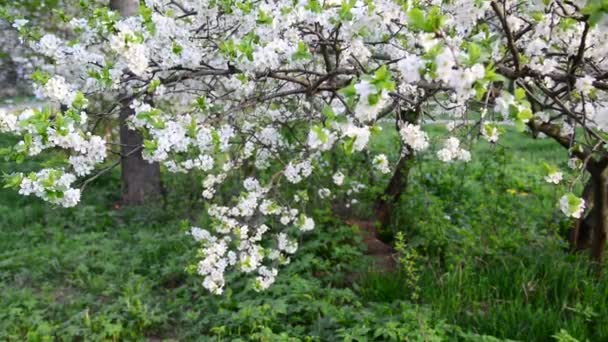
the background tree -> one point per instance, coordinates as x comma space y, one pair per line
141, 180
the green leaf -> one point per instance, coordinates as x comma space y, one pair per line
264, 18
146, 14
520, 126
416, 19
480, 90
13, 180
348, 145
349, 91
80, 102
474, 51
345, 10
314, 6
549, 169
323, 137
229, 48
40, 77
382, 79
201, 103
328, 112
176, 48
520, 94
302, 52
372, 99
150, 145
435, 19
153, 86
525, 114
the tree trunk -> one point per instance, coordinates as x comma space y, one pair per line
591, 230
126, 8
396, 187
398, 183
8, 76
581, 233
600, 229
141, 180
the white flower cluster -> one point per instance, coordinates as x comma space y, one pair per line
338, 178
414, 137
381, 163
235, 244
572, 206
86, 150
490, 132
50, 185
93, 152
321, 138
554, 177
359, 134
503, 103
125, 43
366, 109
8, 121
295, 172
56, 89
452, 151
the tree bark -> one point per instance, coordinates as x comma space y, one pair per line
126, 8
386, 203
396, 187
141, 181
8, 76
600, 229
581, 233
591, 230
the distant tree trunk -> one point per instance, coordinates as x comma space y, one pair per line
8, 76
141, 180
126, 8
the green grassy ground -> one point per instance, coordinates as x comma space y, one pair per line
494, 241
485, 241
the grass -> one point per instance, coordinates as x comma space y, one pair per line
496, 261
489, 239
529, 295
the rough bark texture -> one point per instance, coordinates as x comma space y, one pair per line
581, 234
598, 245
141, 181
390, 198
386, 203
590, 232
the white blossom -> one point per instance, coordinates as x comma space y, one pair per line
338, 178
414, 137
381, 163
554, 177
572, 206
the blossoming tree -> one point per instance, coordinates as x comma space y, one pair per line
263, 92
